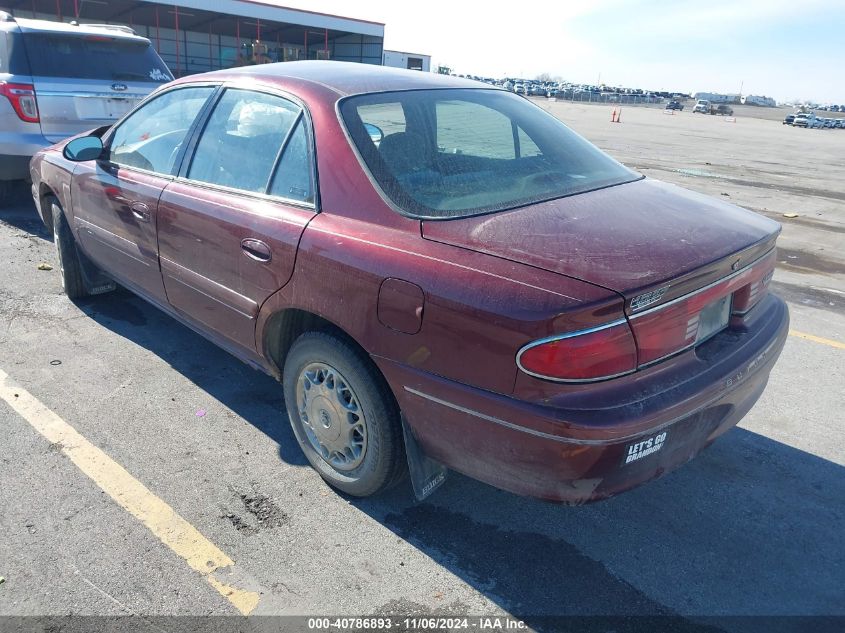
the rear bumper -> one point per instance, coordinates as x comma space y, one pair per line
563, 451
16, 150
14, 167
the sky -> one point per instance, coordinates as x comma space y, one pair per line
786, 49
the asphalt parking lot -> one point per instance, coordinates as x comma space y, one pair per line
145, 471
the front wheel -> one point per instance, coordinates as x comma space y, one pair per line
70, 265
343, 415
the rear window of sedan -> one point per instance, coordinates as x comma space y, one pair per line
455, 153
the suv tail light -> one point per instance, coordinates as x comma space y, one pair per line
588, 355
22, 98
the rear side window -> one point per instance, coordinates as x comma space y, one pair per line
293, 174
93, 57
150, 138
13, 54
242, 142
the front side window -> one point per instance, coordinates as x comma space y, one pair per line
150, 138
463, 152
242, 140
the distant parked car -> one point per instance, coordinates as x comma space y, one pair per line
803, 119
702, 107
674, 105
789, 119
723, 110
58, 79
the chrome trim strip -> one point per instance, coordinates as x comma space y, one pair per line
505, 423
122, 96
571, 440
702, 289
210, 288
200, 184
560, 337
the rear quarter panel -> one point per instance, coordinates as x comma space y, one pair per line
478, 310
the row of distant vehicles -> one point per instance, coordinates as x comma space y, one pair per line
540, 88
702, 106
810, 120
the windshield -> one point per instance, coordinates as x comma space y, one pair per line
94, 57
455, 153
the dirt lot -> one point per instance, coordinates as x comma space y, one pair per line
759, 164
754, 526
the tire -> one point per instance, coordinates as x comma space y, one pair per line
349, 399
70, 266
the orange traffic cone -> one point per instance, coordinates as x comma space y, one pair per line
613, 116
619, 116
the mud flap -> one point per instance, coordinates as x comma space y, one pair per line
427, 475
95, 280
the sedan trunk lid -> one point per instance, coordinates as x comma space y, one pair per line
634, 238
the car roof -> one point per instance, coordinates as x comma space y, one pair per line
115, 31
346, 78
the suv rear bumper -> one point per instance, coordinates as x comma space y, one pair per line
534, 448
16, 150
14, 167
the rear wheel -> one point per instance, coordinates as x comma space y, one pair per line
343, 415
70, 265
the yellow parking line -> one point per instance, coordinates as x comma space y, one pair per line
171, 529
817, 339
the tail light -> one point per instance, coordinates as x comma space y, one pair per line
598, 353
22, 98
675, 326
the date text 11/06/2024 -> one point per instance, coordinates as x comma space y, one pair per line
384, 623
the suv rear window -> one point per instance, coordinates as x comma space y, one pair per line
92, 57
455, 153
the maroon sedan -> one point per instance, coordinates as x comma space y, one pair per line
439, 272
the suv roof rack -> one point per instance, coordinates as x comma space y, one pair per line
109, 27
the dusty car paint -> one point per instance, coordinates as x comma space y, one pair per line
443, 308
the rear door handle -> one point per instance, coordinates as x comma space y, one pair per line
256, 249
141, 211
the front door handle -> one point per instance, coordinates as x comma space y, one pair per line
256, 249
141, 211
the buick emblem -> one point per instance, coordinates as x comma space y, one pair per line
735, 265
119, 87
644, 300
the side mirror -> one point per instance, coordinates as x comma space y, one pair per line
374, 132
83, 148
